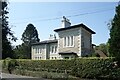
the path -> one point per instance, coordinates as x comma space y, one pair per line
18, 77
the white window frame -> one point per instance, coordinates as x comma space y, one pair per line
72, 45
36, 50
52, 49
64, 42
67, 41
55, 49
40, 50
40, 57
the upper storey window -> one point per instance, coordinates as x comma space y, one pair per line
69, 41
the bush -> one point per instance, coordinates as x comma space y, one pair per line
93, 68
10, 64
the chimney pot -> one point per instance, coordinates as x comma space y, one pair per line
65, 22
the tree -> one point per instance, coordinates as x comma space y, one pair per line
6, 32
19, 52
29, 36
114, 41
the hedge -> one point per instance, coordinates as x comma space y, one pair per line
93, 68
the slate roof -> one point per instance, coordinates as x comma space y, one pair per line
46, 42
75, 26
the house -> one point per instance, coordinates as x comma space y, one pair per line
73, 41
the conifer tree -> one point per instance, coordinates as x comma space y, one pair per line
6, 31
29, 36
114, 40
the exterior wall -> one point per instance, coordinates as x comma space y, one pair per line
82, 45
53, 54
45, 52
86, 42
71, 32
37, 55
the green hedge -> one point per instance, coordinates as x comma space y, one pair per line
82, 67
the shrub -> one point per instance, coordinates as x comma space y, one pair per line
82, 67
10, 64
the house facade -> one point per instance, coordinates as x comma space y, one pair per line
73, 41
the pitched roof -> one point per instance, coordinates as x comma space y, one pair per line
46, 42
75, 26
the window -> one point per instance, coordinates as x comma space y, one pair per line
40, 50
38, 58
52, 49
55, 49
69, 41
55, 58
52, 57
36, 50
35, 57
65, 38
72, 41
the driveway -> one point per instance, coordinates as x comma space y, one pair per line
6, 76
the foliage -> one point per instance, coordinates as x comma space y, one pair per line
10, 64
93, 55
29, 36
20, 51
114, 49
7, 34
83, 67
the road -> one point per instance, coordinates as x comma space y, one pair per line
18, 77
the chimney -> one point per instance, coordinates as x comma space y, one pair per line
52, 37
65, 22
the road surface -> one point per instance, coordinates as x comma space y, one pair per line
6, 76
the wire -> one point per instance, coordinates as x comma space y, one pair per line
90, 13
98, 11
75, 10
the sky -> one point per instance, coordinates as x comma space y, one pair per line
64, 0
47, 16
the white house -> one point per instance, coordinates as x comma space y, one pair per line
74, 41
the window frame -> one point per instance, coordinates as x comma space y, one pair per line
68, 40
